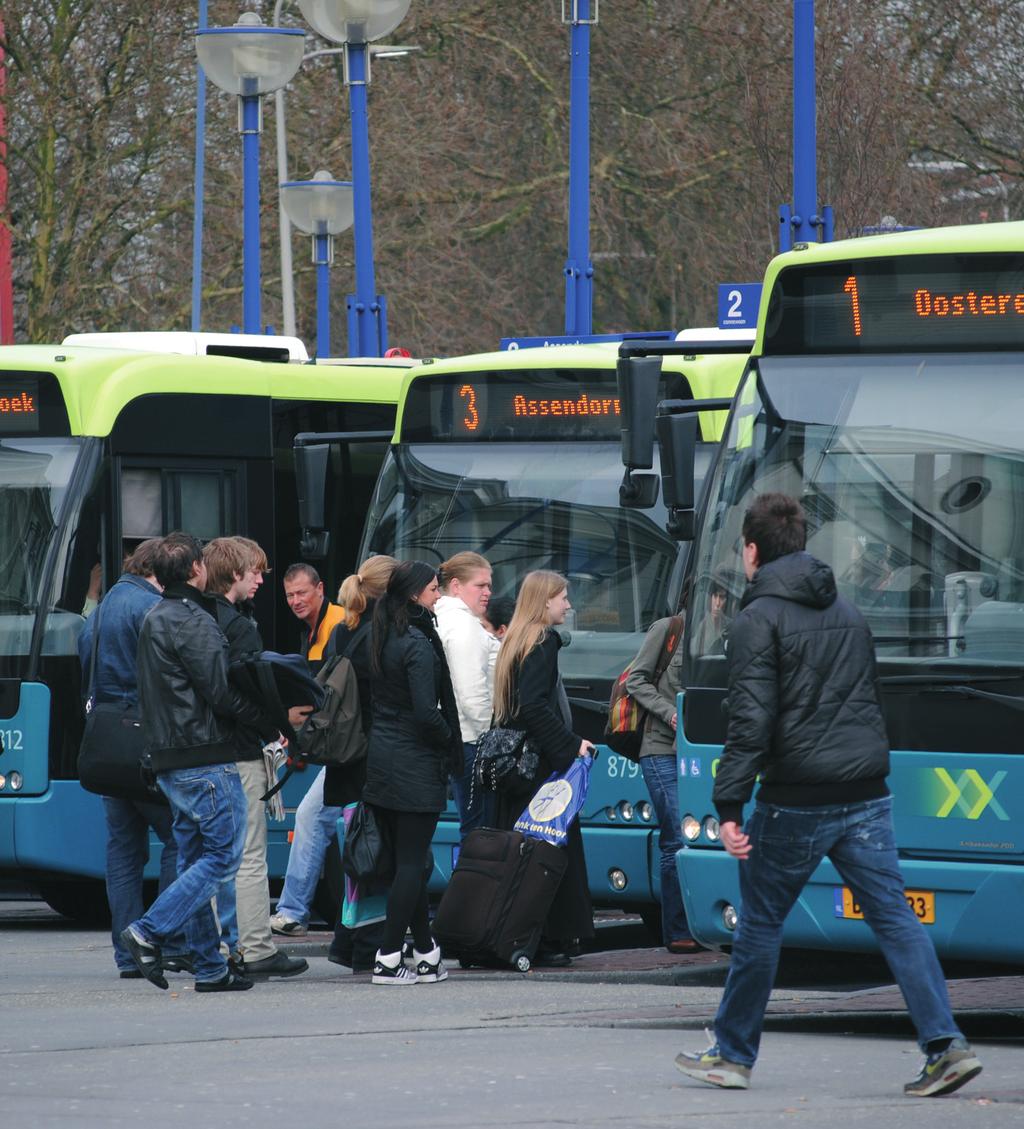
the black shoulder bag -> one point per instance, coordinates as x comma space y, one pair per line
111, 752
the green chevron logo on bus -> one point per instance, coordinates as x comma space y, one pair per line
968, 795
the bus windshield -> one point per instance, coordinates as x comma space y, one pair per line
536, 506
911, 470
35, 486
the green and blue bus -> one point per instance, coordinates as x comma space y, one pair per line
516, 455
101, 447
886, 391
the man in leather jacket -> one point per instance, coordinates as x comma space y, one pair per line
189, 715
805, 714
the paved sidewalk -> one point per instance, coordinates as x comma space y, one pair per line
983, 1005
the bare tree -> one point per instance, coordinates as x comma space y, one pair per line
919, 117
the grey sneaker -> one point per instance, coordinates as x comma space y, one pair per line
285, 927
709, 1066
945, 1071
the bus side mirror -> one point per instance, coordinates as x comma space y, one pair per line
311, 484
638, 381
677, 437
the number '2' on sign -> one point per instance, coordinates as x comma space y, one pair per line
738, 304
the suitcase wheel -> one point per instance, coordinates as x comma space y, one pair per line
465, 963
521, 961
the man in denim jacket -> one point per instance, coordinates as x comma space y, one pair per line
125, 606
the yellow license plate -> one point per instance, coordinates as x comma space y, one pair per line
922, 902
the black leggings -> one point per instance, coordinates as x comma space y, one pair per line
410, 833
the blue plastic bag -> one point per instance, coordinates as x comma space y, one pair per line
558, 801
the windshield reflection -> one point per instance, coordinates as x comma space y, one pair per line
912, 475
536, 507
35, 475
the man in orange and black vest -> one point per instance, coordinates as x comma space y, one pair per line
304, 591
316, 823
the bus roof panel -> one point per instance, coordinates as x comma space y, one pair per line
97, 383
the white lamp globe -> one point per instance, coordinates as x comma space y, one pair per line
353, 21
250, 58
321, 206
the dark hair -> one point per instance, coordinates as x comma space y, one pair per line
301, 569
175, 558
143, 558
777, 525
499, 611
391, 611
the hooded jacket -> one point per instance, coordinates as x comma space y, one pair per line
804, 705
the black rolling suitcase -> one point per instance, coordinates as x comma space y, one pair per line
498, 897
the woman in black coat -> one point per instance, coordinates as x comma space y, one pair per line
528, 694
415, 745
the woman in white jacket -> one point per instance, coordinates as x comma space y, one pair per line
469, 648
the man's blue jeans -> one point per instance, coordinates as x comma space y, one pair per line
788, 843
475, 814
316, 825
128, 824
660, 777
209, 827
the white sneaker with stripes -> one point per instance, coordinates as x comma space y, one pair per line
389, 968
430, 967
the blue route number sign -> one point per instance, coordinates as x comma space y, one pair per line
738, 303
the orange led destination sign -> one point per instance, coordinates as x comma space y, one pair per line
525, 404
19, 406
930, 303
584, 406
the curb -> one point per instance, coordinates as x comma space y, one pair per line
699, 975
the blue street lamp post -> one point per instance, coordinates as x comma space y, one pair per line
250, 60
356, 23
801, 222
322, 208
579, 270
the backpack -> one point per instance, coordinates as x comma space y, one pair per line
624, 731
334, 734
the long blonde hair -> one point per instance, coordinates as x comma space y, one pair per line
526, 630
369, 583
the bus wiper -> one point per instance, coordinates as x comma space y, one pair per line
944, 680
960, 687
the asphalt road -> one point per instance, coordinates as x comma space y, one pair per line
79, 1047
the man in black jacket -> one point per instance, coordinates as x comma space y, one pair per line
189, 716
805, 714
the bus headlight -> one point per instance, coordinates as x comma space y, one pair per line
691, 828
611, 813
617, 879
711, 828
626, 810
729, 917
645, 810
15, 781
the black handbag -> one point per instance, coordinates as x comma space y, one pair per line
110, 757
505, 760
368, 856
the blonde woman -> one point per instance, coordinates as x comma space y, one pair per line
316, 818
528, 694
469, 648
